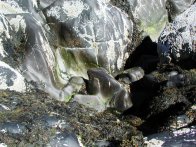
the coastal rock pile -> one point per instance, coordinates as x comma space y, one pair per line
97, 72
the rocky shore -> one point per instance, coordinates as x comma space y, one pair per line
103, 73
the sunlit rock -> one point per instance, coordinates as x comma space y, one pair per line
63, 39
11, 79
178, 39
90, 34
150, 15
183, 137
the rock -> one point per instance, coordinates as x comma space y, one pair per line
64, 139
150, 15
13, 128
131, 75
91, 101
55, 43
53, 122
11, 79
3, 145
184, 120
176, 7
184, 137
90, 34
177, 41
3, 108
74, 86
111, 92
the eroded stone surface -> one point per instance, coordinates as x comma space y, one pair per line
177, 41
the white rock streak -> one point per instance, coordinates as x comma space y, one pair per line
18, 81
74, 8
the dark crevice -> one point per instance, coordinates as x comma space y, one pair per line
145, 56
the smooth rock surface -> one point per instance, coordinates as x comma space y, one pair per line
63, 39
108, 89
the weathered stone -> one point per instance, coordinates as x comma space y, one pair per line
90, 34
184, 137
177, 41
11, 79
149, 15
176, 7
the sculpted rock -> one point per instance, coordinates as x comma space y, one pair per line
177, 41
111, 92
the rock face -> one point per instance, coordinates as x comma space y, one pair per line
177, 41
89, 34
63, 39
150, 15
175, 7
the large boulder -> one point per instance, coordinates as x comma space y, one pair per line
63, 39
89, 34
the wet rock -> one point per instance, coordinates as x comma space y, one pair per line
186, 119
183, 137
64, 139
131, 75
177, 41
11, 78
57, 43
110, 91
13, 128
